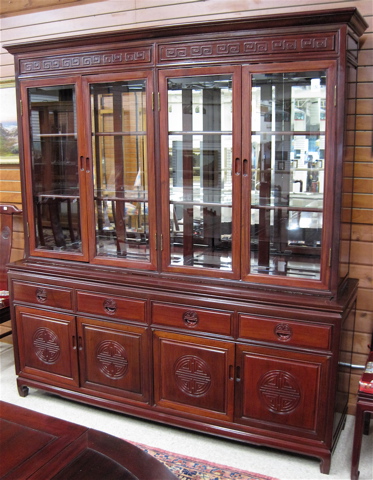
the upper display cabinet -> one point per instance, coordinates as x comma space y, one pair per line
212, 152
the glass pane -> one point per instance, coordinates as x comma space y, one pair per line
288, 161
120, 169
55, 167
200, 182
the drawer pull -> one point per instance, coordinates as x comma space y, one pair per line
41, 295
283, 332
110, 306
190, 318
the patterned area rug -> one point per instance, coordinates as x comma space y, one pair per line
188, 468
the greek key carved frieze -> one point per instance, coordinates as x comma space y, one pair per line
247, 46
49, 64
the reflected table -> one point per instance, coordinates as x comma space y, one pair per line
37, 446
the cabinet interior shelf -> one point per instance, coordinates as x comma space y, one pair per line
288, 132
121, 134
54, 135
286, 207
200, 132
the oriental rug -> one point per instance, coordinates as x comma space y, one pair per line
189, 468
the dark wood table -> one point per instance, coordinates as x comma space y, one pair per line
37, 446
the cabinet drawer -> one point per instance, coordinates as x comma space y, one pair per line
183, 316
111, 306
281, 331
47, 295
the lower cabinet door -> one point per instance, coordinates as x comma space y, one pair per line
283, 391
47, 346
113, 358
194, 375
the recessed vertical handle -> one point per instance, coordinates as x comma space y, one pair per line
237, 166
87, 165
81, 163
245, 172
238, 373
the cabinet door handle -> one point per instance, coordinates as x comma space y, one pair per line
231, 372
237, 166
41, 295
74, 342
283, 332
80, 343
110, 306
81, 163
245, 167
190, 318
238, 374
87, 165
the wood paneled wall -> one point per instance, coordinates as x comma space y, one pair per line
85, 16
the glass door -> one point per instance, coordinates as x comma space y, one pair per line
291, 116
199, 150
56, 170
123, 169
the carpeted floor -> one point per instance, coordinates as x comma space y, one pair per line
189, 468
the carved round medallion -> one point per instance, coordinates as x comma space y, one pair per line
112, 359
280, 391
192, 375
110, 306
190, 318
41, 295
283, 332
46, 345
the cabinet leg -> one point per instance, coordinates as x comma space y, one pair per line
325, 464
366, 423
359, 421
22, 390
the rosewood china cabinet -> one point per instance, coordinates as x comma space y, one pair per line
187, 197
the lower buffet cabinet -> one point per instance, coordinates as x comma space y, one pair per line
254, 372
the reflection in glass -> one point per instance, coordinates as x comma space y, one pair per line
120, 169
200, 182
288, 160
53, 141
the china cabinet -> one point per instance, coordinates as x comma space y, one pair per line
187, 202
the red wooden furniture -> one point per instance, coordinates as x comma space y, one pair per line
187, 201
37, 446
364, 408
6, 237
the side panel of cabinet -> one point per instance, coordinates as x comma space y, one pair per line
112, 358
282, 391
194, 375
47, 346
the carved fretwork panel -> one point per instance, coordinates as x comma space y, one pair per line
282, 388
193, 374
111, 358
249, 46
47, 345
106, 59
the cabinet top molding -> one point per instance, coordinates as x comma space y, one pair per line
338, 17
